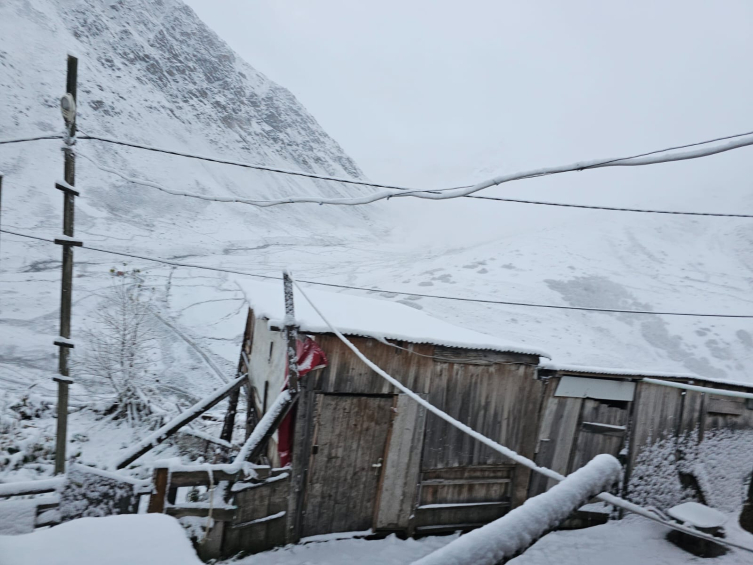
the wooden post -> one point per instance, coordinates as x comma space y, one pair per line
157, 499
291, 334
746, 516
300, 456
66, 290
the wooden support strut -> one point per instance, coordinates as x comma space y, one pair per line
66, 290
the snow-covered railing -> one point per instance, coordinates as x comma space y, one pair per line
31, 487
519, 528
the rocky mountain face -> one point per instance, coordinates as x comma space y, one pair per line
151, 72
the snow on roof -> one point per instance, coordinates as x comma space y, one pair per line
369, 317
613, 371
565, 368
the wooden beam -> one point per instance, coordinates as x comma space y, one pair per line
157, 500
173, 426
261, 447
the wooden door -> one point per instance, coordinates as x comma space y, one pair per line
556, 436
348, 448
602, 429
574, 431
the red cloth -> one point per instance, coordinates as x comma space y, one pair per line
310, 357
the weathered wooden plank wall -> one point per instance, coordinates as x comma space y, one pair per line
496, 394
399, 484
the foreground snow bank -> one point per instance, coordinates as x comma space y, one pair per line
630, 541
143, 539
625, 542
388, 551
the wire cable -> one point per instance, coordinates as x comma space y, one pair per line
612, 208
222, 199
246, 165
25, 139
400, 292
642, 159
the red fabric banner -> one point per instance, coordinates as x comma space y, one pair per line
310, 357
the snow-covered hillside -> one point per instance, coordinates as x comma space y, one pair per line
151, 72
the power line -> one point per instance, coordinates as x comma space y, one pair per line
612, 208
247, 165
387, 291
642, 159
25, 139
230, 200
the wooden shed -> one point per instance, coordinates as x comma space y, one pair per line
592, 410
367, 457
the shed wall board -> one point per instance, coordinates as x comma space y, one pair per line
399, 482
266, 367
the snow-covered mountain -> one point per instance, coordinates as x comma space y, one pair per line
151, 72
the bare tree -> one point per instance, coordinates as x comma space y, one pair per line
121, 346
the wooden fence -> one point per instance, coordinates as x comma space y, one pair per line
241, 515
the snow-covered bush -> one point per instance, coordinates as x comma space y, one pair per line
91, 494
667, 471
23, 441
120, 346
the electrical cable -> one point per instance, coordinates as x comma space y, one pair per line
646, 158
401, 292
25, 139
221, 199
266, 168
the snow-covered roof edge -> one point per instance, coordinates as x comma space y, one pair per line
381, 336
566, 368
370, 317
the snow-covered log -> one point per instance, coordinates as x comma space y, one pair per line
519, 528
264, 428
176, 423
31, 487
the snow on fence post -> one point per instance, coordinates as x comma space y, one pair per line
515, 531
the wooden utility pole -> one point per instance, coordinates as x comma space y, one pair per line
64, 343
302, 392
291, 334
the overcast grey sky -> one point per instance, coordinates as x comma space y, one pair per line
427, 92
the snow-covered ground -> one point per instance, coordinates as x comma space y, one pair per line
158, 540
